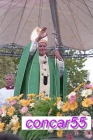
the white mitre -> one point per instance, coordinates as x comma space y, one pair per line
35, 34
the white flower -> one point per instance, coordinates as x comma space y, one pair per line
50, 131
32, 105
84, 113
11, 123
14, 119
14, 132
4, 114
86, 93
59, 105
71, 94
92, 122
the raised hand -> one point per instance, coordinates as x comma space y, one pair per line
42, 34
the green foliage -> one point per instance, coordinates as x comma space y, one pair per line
34, 134
16, 62
76, 74
42, 108
6, 66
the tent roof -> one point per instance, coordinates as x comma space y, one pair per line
75, 21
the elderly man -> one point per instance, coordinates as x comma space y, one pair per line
8, 90
39, 73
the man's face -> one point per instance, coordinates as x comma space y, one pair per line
9, 80
42, 48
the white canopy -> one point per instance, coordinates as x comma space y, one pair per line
75, 20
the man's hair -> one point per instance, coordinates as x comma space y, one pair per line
10, 74
9, 136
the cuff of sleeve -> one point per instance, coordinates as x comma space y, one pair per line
35, 43
60, 59
33, 46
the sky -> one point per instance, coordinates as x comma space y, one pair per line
89, 67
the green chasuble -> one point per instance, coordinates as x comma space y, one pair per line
28, 75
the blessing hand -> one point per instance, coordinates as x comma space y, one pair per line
42, 34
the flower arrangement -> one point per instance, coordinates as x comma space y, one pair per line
11, 113
76, 104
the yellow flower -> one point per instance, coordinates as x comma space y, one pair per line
31, 100
46, 99
20, 96
7, 127
86, 102
60, 133
12, 98
4, 108
76, 89
73, 106
24, 102
31, 95
66, 107
55, 104
16, 126
58, 99
59, 114
10, 111
40, 95
1, 126
15, 97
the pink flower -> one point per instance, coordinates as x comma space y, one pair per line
1, 111
23, 110
72, 98
28, 114
50, 131
87, 86
50, 111
92, 122
88, 134
12, 102
91, 98
76, 132
69, 137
